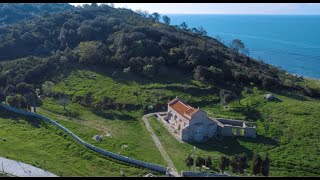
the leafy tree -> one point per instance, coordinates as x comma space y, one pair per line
149, 70
265, 166
183, 26
223, 163
17, 101
88, 99
64, 100
257, 162
32, 100
47, 88
200, 162
92, 52
155, 16
237, 45
2, 95
239, 163
166, 20
209, 162
189, 162
10, 90
24, 88
227, 96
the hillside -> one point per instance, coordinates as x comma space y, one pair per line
43, 145
14, 12
98, 69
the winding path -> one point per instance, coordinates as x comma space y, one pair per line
20, 169
172, 169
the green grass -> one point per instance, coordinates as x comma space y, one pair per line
287, 129
129, 136
43, 145
133, 89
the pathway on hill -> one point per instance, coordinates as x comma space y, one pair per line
164, 154
20, 169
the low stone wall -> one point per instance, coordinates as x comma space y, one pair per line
200, 174
139, 163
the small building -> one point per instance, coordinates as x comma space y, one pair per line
191, 124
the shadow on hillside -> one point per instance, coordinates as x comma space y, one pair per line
260, 140
248, 111
112, 116
126, 78
33, 121
228, 146
293, 96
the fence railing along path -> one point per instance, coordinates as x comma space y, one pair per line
153, 167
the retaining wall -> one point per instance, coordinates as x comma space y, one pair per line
147, 165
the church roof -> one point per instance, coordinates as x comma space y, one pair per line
182, 108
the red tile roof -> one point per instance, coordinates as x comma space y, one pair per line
182, 108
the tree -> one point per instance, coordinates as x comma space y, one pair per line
155, 16
32, 100
257, 162
64, 100
2, 95
265, 166
203, 32
166, 20
183, 26
47, 87
189, 161
149, 70
208, 162
17, 101
239, 163
92, 52
223, 163
24, 88
87, 101
237, 45
200, 162
10, 90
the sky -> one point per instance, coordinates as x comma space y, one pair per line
224, 8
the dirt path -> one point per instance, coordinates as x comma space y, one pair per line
164, 154
20, 169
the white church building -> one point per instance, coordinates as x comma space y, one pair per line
192, 124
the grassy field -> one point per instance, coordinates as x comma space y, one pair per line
287, 127
287, 130
128, 135
42, 145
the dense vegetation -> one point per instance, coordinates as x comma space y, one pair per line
103, 36
14, 12
105, 66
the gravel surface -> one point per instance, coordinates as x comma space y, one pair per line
21, 169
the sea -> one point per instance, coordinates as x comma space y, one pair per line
290, 42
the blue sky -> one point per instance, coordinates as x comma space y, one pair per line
224, 8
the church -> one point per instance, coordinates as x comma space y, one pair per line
191, 124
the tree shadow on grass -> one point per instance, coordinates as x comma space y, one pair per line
228, 146
292, 95
33, 121
112, 115
260, 140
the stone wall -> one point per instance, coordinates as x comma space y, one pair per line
136, 162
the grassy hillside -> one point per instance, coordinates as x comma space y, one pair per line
40, 144
287, 130
286, 127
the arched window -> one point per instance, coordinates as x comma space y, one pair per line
175, 117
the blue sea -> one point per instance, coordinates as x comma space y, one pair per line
291, 42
